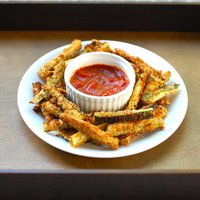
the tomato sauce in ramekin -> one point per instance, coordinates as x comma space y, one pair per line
99, 80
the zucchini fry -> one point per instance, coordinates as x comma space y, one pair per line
154, 83
124, 115
91, 131
57, 78
97, 45
151, 97
37, 87
39, 97
66, 134
164, 101
79, 138
52, 109
66, 54
126, 140
160, 111
140, 66
137, 92
136, 127
58, 74
54, 125
65, 104
125, 55
47, 125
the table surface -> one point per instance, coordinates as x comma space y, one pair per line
23, 150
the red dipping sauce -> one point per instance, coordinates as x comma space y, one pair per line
99, 80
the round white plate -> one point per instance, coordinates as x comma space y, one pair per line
176, 110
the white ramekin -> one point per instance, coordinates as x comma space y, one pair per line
89, 103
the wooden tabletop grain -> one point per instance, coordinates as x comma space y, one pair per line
23, 150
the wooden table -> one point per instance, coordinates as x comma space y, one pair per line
23, 150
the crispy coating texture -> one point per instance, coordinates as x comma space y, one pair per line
164, 101
97, 45
160, 111
66, 54
91, 131
52, 109
124, 115
153, 84
54, 125
136, 127
44, 94
137, 92
166, 76
58, 75
141, 128
65, 104
79, 138
124, 54
39, 96
125, 140
151, 97
140, 66
47, 116
66, 134
37, 87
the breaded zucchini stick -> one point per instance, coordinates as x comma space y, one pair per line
54, 125
39, 97
57, 79
65, 104
37, 87
160, 111
52, 109
156, 123
68, 107
124, 115
47, 116
151, 97
125, 55
140, 66
164, 101
91, 131
136, 127
58, 74
79, 138
66, 134
66, 54
154, 83
97, 45
137, 92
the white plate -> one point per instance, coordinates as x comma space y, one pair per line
176, 113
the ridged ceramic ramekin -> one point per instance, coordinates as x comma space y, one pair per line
89, 103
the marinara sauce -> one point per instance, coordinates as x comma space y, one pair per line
99, 80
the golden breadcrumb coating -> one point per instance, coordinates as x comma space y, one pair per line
91, 131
